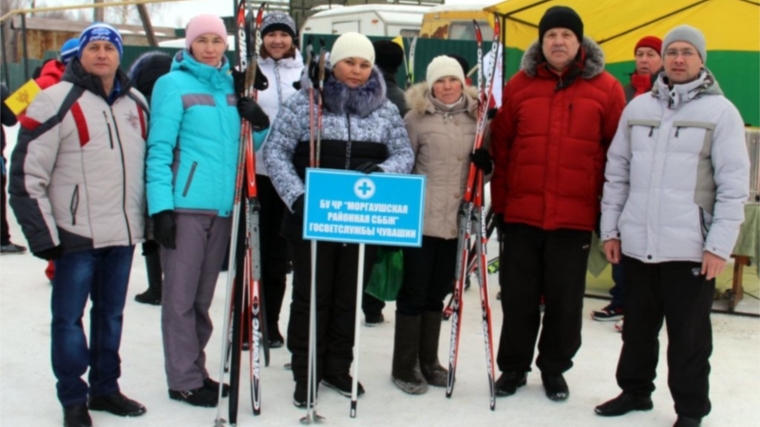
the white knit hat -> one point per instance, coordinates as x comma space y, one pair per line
352, 45
444, 66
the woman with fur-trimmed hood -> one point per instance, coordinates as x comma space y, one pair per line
362, 131
441, 122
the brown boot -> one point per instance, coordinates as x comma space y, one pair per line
406, 372
430, 333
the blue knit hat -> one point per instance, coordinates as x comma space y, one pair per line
101, 31
69, 50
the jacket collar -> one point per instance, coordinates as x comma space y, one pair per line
705, 84
294, 62
362, 101
76, 75
589, 62
420, 101
216, 77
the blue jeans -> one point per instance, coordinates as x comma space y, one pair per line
103, 275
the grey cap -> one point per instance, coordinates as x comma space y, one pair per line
688, 34
281, 21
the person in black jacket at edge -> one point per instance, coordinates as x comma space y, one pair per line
8, 119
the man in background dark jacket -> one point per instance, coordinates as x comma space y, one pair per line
8, 119
389, 56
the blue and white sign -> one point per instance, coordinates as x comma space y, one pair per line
352, 207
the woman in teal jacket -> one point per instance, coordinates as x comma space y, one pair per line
191, 166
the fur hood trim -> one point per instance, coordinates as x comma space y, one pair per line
340, 99
593, 63
418, 102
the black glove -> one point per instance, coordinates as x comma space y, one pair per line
482, 160
164, 229
50, 254
298, 206
368, 168
251, 111
491, 113
498, 222
150, 247
260, 83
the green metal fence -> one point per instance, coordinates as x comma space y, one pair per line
739, 83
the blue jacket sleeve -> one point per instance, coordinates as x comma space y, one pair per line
165, 121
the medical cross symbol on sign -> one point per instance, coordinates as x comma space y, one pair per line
364, 188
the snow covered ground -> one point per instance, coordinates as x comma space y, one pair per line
27, 385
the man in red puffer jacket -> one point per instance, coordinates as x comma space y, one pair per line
549, 141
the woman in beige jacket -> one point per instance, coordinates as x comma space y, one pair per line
441, 125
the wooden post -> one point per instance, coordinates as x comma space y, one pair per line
24, 47
147, 26
98, 13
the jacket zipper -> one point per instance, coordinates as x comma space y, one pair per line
348, 146
123, 174
108, 124
702, 225
570, 117
74, 205
189, 179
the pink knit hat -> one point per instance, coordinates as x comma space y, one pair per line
204, 24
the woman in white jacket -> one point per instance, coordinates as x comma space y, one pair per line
282, 65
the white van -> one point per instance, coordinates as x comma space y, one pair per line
370, 20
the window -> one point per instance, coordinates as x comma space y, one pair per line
465, 30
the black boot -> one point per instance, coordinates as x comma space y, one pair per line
509, 382
155, 278
76, 416
555, 386
406, 371
623, 404
687, 422
117, 404
430, 333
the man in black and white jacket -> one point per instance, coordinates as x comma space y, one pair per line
78, 190
677, 179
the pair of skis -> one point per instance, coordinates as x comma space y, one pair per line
317, 66
409, 63
472, 219
493, 264
243, 302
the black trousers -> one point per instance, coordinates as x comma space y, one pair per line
274, 253
677, 293
5, 235
536, 263
337, 267
428, 276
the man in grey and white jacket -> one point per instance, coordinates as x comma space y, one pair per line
677, 177
78, 190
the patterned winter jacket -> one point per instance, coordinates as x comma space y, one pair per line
281, 76
677, 174
193, 140
77, 172
358, 125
